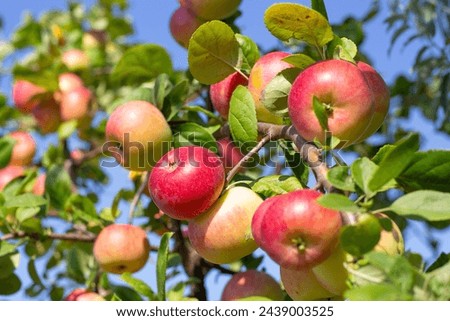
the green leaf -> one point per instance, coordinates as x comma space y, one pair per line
7, 249
142, 63
438, 281
242, 118
319, 6
139, 286
33, 273
295, 162
300, 61
161, 265
213, 52
66, 129
288, 20
10, 285
249, 50
428, 205
363, 170
78, 264
8, 264
28, 34
161, 90
361, 238
275, 185
339, 177
427, 170
26, 200
6, 147
376, 292
382, 152
177, 292
255, 298
344, 49
58, 186
443, 259
338, 202
25, 213
194, 134
47, 78
321, 113
275, 95
395, 162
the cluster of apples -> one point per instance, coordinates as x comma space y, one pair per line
193, 13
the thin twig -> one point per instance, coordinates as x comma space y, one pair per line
137, 197
53, 236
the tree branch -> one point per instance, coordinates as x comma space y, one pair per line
137, 196
78, 237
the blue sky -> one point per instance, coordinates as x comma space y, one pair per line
151, 19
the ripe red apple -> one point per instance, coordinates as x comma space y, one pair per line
48, 116
229, 153
69, 81
9, 173
295, 231
143, 133
326, 280
223, 234
121, 248
39, 185
342, 87
381, 95
182, 25
252, 283
23, 150
75, 103
220, 93
391, 241
186, 181
212, 9
75, 59
24, 95
83, 295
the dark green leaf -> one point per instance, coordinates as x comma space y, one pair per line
194, 134
161, 265
295, 162
321, 113
142, 63
10, 285
319, 6
340, 178
275, 185
443, 259
338, 202
288, 20
362, 237
78, 267
428, 205
213, 52
242, 118
161, 90
58, 186
6, 148
124, 293
395, 162
139, 286
32, 272
29, 34
8, 264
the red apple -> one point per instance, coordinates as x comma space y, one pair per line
229, 153
83, 295
48, 116
121, 248
222, 234
295, 231
342, 87
75, 103
75, 59
221, 92
186, 181
252, 283
381, 94
10, 173
69, 81
24, 95
212, 9
143, 133
182, 25
264, 70
39, 185
23, 150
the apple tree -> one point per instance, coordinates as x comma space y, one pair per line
234, 162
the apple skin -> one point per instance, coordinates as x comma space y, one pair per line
129, 125
264, 70
295, 231
121, 248
47, 116
39, 185
391, 242
24, 149
230, 216
75, 59
23, 95
252, 283
212, 9
9, 173
381, 95
69, 81
186, 181
326, 280
221, 92
341, 86
182, 25
83, 295
75, 103
229, 153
